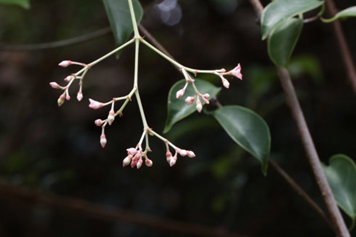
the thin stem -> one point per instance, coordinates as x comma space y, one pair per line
312, 155
345, 52
133, 18
111, 53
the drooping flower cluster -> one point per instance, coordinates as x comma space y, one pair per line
69, 79
136, 156
205, 97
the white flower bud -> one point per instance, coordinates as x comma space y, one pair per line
103, 140
126, 161
79, 96
183, 152
111, 117
189, 100
61, 99
65, 63
199, 106
54, 85
190, 154
180, 93
148, 162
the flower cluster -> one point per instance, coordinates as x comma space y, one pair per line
69, 79
205, 97
136, 156
236, 72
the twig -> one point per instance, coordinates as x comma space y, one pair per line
96, 211
345, 52
311, 153
300, 191
56, 44
308, 144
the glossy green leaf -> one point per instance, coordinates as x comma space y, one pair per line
248, 130
177, 108
348, 12
278, 11
282, 41
341, 175
118, 12
22, 3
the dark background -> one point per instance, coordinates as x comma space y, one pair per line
57, 151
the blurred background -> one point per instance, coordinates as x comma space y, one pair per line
49, 153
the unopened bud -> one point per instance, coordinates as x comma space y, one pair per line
199, 105
180, 93
131, 151
126, 161
79, 96
190, 154
226, 83
69, 78
139, 163
54, 85
67, 97
61, 99
173, 161
168, 156
148, 162
65, 63
98, 122
103, 140
183, 152
189, 100
111, 117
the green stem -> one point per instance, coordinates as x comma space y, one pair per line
133, 18
110, 53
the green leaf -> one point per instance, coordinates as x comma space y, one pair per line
282, 41
276, 12
178, 109
22, 3
248, 130
118, 12
348, 12
341, 175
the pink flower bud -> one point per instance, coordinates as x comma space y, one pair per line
111, 117
199, 105
148, 162
168, 156
54, 85
173, 161
236, 72
65, 63
183, 152
98, 122
79, 96
189, 100
67, 97
206, 101
103, 140
131, 151
139, 163
69, 78
206, 95
126, 161
61, 99
180, 93
226, 83
190, 154
95, 104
